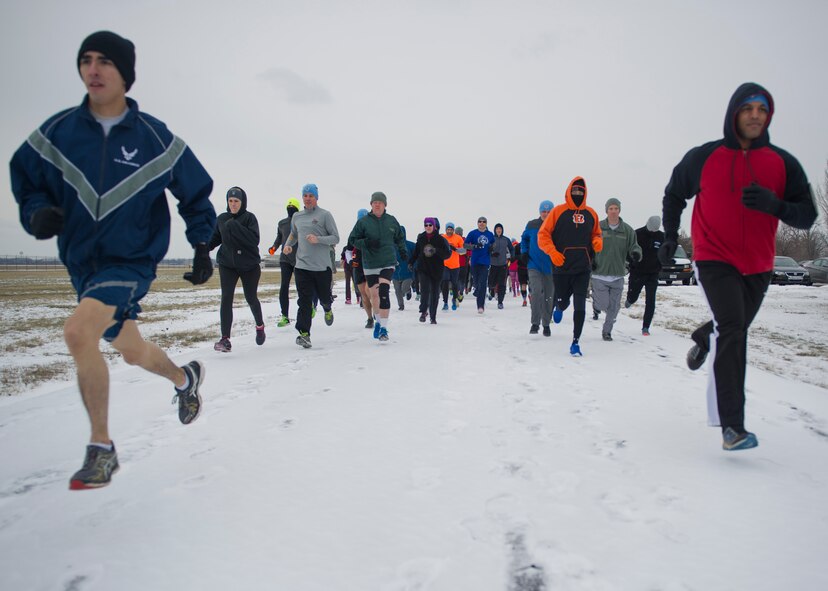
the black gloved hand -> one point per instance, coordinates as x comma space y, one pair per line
411, 267
594, 265
372, 244
202, 265
667, 251
761, 199
46, 222
635, 256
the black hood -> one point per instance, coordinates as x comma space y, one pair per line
744, 91
238, 193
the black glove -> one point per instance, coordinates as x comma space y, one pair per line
372, 244
46, 222
594, 265
202, 265
635, 256
667, 251
761, 199
411, 267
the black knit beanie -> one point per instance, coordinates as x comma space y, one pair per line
121, 51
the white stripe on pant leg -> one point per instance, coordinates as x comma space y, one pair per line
713, 418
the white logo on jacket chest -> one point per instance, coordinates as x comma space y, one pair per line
128, 156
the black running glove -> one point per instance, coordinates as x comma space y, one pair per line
46, 222
202, 265
761, 199
667, 251
635, 256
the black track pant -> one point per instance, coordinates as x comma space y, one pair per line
734, 300
497, 281
573, 286
649, 282
284, 288
310, 284
229, 278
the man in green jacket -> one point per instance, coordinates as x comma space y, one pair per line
610, 265
379, 238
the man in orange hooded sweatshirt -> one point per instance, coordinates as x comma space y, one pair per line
571, 235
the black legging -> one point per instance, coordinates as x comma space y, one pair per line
284, 288
573, 286
429, 295
250, 284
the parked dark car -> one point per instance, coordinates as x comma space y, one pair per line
787, 271
680, 270
817, 269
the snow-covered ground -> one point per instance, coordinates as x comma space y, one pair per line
463, 456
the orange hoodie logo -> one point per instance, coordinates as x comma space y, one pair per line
578, 218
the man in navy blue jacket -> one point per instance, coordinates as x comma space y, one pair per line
541, 285
95, 176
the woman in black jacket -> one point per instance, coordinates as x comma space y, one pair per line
430, 253
237, 231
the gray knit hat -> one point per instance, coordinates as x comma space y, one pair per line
379, 196
612, 201
653, 223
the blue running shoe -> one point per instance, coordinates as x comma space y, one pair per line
454, 305
575, 349
733, 441
445, 306
383, 335
377, 328
557, 315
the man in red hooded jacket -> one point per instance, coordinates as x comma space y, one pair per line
743, 186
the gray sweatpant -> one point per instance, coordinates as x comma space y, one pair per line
606, 297
542, 290
401, 287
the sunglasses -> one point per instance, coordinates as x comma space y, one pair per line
481, 221
428, 225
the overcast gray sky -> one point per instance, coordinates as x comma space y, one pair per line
453, 108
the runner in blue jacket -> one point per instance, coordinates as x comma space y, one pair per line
95, 176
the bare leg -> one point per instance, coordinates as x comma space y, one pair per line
82, 332
366, 299
149, 356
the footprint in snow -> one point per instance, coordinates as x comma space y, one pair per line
415, 575
33, 481
525, 574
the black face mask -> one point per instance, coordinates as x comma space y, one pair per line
577, 199
291, 211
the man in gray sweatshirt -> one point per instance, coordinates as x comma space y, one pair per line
610, 265
313, 234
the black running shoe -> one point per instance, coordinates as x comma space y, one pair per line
695, 357
534, 329
303, 340
260, 335
547, 332
189, 400
606, 336
98, 467
369, 323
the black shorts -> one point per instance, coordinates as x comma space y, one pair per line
358, 275
383, 274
